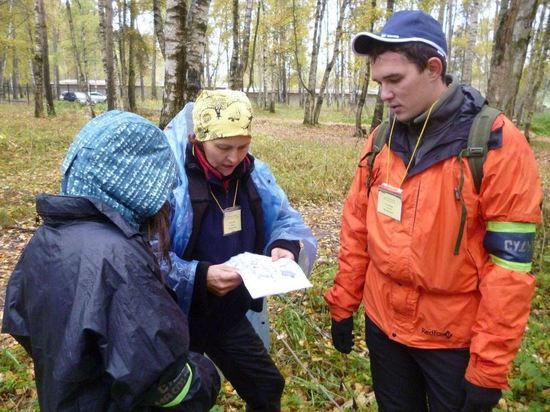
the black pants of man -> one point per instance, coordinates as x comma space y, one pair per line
241, 356
415, 380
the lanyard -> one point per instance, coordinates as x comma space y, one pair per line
234, 198
415, 147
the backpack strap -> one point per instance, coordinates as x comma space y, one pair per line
379, 140
476, 152
478, 138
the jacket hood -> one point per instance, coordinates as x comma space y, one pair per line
55, 209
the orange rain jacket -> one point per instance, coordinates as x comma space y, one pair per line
406, 274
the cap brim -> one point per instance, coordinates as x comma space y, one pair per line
362, 43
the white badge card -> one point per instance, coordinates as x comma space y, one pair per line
390, 201
231, 220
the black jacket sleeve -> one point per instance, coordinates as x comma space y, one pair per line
293, 246
146, 340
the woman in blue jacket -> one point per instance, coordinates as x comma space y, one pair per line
226, 203
87, 299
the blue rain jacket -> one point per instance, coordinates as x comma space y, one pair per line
281, 221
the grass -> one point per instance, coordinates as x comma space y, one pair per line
317, 376
310, 172
541, 124
329, 114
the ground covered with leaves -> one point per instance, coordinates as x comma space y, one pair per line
314, 165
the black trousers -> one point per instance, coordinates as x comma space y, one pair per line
241, 356
410, 379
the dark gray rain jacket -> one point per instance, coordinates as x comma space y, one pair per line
86, 302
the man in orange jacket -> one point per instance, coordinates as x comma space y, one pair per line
444, 318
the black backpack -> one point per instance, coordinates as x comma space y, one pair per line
475, 151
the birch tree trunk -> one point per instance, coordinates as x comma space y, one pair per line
196, 48
2, 68
378, 113
122, 68
38, 65
154, 72
43, 31
239, 61
4, 48
158, 25
359, 130
450, 24
472, 35
312, 78
542, 54
441, 12
509, 51
83, 42
252, 58
234, 83
76, 52
106, 31
328, 69
243, 64
175, 68
131, 58
14, 72
56, 60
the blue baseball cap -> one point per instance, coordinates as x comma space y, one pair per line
404, 26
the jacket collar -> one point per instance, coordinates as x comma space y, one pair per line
60, 209
446, 132
196, 160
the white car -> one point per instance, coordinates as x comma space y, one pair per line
95, 97
98, 97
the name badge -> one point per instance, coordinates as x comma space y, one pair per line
390, 201
231, 220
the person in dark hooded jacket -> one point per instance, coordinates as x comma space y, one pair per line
86, 299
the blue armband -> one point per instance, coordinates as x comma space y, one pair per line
510, 244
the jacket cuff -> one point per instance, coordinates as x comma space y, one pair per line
293, 246
199, 288
480, 375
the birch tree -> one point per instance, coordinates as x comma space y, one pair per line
239, 57
509, 51
253, 56
336, 51
132, 43
38, 61
309, 104
174, 68
196, 48
379, 107
185, 43
473, 11
106, 32
43, 33
365, 69
536, 71
158, 25
76, 51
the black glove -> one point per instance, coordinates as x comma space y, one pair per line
342, 334
480, 399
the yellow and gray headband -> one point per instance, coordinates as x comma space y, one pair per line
221, 113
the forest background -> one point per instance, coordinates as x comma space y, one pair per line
293, 59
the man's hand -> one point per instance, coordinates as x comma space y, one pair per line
480, 399
222, 279
279, 253
342, 334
